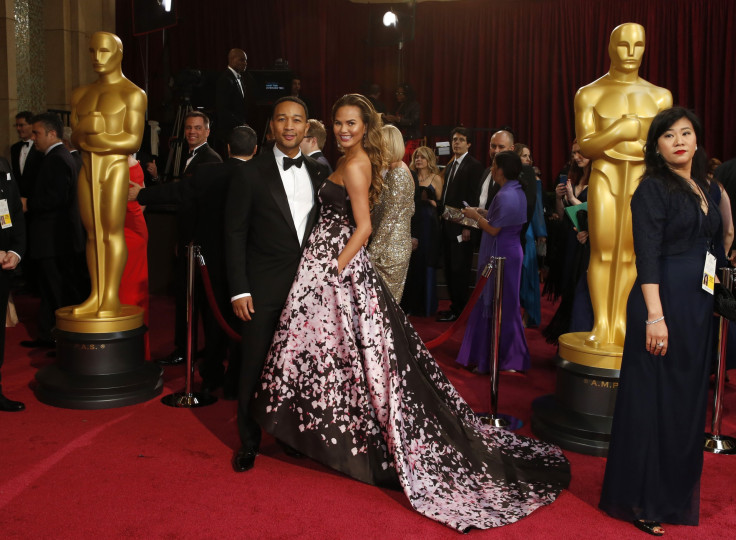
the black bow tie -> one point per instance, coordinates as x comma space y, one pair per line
28, 143
288, 162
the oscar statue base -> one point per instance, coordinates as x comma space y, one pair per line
578, 415
99, 370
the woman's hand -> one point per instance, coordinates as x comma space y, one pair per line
561, 190
472, 213
657, 334
569, 191
582, 237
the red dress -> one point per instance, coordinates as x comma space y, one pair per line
134, 283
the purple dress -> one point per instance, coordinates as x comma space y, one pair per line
349, 383
508, 211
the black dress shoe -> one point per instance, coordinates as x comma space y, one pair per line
447, 318
290, 450
244, 459
8, 405
174, 359
38, 343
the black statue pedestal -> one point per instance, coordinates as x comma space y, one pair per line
99, 363
578, 415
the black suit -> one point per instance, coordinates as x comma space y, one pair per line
320, 158
230, 104
458, 256
172, 193
206, 192
27, 180
56, 236
263, 252
11, 239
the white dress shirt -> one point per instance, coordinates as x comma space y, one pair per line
299, 191
24, 154
484, 191
299, 194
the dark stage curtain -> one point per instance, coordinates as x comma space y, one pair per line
479, 63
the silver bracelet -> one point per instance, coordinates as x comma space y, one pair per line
654, 321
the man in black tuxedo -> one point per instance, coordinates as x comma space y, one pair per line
314, 142
196, 132
67, 140
12, 246
207, 192
24, 157
503, 141
271, 209
231, 96
55, 229
462, 177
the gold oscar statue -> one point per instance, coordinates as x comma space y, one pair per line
107, 120
100, 351
612, 117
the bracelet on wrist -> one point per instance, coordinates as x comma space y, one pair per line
654, 321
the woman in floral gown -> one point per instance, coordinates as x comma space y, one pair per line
349, 383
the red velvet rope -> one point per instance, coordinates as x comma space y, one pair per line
213, 303
462, 319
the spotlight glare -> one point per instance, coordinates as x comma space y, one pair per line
166, 5
390, 19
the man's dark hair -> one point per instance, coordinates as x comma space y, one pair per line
198, 114
295, 100
510, 163
25, 115
465, 132
242, 141
51, 122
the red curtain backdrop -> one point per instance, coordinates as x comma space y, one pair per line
479, 63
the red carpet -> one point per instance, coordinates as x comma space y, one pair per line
150, 471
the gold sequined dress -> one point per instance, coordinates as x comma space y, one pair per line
390, 247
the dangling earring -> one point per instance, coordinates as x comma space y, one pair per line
696, 147
365, 137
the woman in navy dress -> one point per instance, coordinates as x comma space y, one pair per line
656, 453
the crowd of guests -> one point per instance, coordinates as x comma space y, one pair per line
388, 195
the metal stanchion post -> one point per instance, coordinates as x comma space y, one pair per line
494, 418
189, 399
715, 442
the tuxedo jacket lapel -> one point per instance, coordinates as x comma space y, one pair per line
276, 189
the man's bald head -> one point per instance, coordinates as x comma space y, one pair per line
501, 141
237, 60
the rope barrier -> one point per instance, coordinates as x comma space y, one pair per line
212, 301
462, 319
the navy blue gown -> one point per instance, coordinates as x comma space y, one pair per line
656, 453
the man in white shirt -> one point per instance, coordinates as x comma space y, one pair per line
270, 211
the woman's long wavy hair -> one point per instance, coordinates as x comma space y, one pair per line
656, 166
576, 173
373, 143
428, 154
